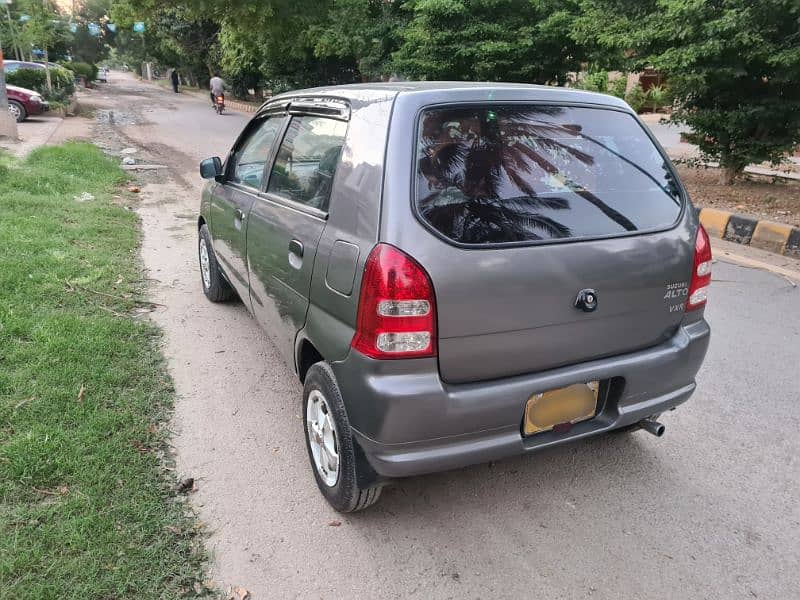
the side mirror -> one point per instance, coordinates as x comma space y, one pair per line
211, 168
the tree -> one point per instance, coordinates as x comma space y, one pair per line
490, 40
8, 126
253, 42
85, 45
364, 32
41, 30
733, 68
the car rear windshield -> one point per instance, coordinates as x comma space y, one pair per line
489, 174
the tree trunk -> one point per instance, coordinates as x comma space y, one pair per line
728, 175
8, 126
47, 70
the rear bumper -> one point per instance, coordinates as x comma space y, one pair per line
408, 422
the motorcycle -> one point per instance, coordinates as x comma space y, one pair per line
219, 104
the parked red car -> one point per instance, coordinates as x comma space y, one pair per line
24, 103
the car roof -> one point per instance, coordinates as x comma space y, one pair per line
480, 91
24, 62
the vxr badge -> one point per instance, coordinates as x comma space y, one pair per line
586, 300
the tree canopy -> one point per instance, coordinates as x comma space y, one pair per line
732, 66
492, 40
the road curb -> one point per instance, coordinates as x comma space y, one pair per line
741, 229
241, 106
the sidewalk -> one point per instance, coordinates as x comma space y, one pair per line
33, 133
44, 130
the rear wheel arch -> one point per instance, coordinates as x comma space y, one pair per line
306, 356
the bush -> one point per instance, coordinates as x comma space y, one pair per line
637, 98
618, 87
36, 80
594, 81
657, 97
82, 69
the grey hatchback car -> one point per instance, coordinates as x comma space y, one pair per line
459, 272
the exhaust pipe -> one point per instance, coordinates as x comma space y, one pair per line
652, 426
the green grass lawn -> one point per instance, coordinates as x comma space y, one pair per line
86, 510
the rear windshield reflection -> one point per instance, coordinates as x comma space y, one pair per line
494, 174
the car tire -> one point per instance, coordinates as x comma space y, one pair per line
17, 111
215, 286
344, 494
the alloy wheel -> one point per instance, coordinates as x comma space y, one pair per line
322, 438
205, 265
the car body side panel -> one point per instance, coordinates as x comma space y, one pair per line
230, 205
353, 220
280, 280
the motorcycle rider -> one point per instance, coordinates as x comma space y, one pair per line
218, 88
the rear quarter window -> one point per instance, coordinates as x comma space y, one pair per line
489, 174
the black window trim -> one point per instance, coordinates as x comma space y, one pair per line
685, 202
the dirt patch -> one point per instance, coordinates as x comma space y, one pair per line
757, 196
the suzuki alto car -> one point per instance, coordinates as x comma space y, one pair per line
459, 272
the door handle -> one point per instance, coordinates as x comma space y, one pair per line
296, 248
239, 214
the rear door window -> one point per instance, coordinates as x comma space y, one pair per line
307, 159
489, 174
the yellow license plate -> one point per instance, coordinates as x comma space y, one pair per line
568, 405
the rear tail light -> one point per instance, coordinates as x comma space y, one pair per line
701, 271
397, 308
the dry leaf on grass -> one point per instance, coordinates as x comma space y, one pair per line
61, 490
134, 190
22, 403
237, 592
81, 393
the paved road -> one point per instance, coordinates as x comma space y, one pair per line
708, 511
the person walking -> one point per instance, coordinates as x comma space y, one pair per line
175, 80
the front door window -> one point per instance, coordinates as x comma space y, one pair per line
248, 161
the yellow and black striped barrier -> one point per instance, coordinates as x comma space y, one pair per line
767, 235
